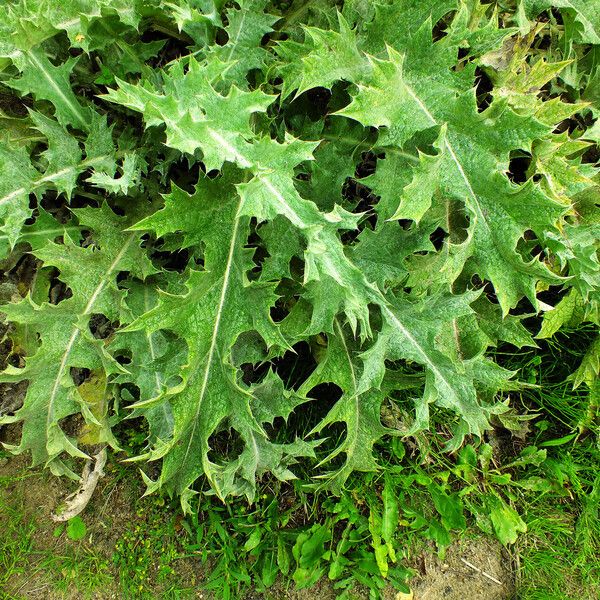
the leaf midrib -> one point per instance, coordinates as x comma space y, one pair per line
455, 159
76, 111
77, 331
216, 327
355, 395
50, 177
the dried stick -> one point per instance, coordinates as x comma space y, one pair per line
76, 502
487, 575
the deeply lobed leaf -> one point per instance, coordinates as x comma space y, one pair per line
257, 182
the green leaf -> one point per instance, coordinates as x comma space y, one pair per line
283, 557
219, 305
245, 29
308, 552
195, 114
155, 360
583, 12
30, 23
449, 506
417, 195
66, 340
390, 517
436, 99
569, 311
589, 369
506, 520
357, 211
410, 331
63, 163
381, 550
76, 529
332, 57
360, 412
49, 82
253, 540
565, 439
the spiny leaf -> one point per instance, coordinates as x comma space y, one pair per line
381, 192
589, 370
359, 411
438, 99
220, 305
246, 28
583, 12
155, 359
412, 331
63, 163
66, 339
195, 114
49, 82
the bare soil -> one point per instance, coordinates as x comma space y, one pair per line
454, 579
36, 494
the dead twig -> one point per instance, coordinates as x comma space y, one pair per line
486, 575
76, 502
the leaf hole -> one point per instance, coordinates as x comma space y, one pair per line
176, 260
253, 373
12, 396
518, 165
523, 307
222, 37
297, 268
123, 280
462, 53
51, 202
553, 295
276, 431
458, 222
132, 435
278, 312
557, 15
364, 201
294, 367
72, 425
79, 375
59, 290
272, 35
118, 210
101, 327
129, 393
483, 90
249, 353
225, 444
437, 238
440, 29
185, 175
390, 415
528, 246
328, 393
284, 303
324, 396
312, 104
591, 155
123, 359
367, 165
405, 224
488, 289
